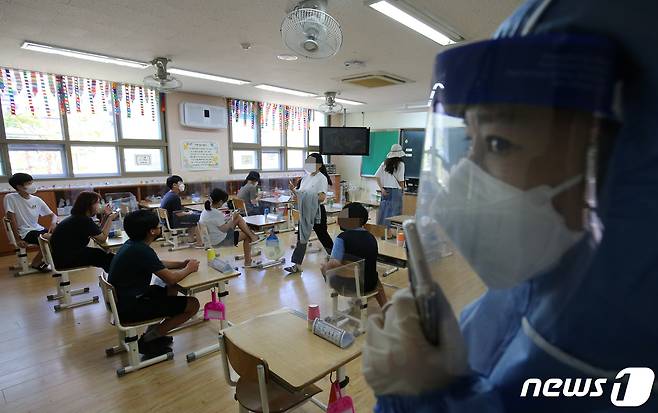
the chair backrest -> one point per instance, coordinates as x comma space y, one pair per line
108, 294
205, 236
44, 245
241, 205
164, 217
244, 363
354, 270
377, 230
10, 232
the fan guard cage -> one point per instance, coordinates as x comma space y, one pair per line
311, 33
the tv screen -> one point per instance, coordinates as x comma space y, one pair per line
344, 141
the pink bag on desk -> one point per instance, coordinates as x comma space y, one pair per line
337, 402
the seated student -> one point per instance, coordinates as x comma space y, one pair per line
23, 210
353, 244
138, 300
70, 238
249, 193
179, 218
222, 230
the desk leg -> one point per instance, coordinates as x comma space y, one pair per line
222, 325
341, 376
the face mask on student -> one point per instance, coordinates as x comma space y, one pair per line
309, 167
30, 189
181, 187
507, 235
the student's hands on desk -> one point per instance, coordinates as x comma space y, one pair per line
398, 360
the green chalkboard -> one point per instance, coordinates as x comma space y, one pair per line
380, 145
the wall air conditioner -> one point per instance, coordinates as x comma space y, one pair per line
199, 115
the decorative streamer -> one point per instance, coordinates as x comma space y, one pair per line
103, 86
76, 88
19, 82
35, 83
51, 84
126, 91
10, 91
28, 89
154, 105
45, 93
115, 99
92, 95
141, 100
2, 81
253, 115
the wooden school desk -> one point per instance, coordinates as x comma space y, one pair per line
202, 280
114, 243
184, 202
261, 223
281, 200
201, 208
397, 220
294, 354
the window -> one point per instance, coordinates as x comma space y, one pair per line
269, 145
66, 127
143, 159
317, 120
271, 161
43, 161
296, 159
245, 160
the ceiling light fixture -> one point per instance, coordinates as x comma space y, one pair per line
78, 54
286, 91
345, 101
287, 57
207, 76
414, 23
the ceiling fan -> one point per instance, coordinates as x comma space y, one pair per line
162, 81
309, 31
330, 105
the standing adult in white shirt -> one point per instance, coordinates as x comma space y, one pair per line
316, 181
390, 178
23, 209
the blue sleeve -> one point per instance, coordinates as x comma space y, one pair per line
338, 251
470, 394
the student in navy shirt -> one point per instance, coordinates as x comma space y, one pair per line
71, 237
138, 300
353, 244
179, 218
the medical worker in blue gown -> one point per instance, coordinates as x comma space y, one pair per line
554, 204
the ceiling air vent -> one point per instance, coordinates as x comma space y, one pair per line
372, 80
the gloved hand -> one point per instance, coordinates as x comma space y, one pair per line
397, 359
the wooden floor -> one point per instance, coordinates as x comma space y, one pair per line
55, 362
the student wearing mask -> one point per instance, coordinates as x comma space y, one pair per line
23, 209
317, 182
249, 193
178, 217
353, 244
553, 208
130, 274
70, 238
222, 230
390, 178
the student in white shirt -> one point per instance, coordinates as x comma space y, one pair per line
390, 178
317, 180
23, 209
222, 230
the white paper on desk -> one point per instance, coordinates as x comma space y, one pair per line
284, 198
221, 266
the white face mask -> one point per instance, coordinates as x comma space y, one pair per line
309, 167
181, 187
507, 235
31, 189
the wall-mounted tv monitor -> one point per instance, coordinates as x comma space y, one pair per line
344, 141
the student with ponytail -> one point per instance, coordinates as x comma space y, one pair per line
222, 229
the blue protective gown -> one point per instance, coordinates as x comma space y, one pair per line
600, 304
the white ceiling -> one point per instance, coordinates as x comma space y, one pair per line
205, 35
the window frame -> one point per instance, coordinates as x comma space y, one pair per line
119, 144
260, 149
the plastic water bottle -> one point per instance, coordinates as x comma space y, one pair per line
273, 246
266, 211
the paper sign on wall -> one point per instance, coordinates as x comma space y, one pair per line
200, 155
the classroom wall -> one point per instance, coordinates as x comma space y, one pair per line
350, 166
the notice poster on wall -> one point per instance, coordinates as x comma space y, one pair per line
200, 155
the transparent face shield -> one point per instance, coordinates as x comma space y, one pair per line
505, 186
509, 169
